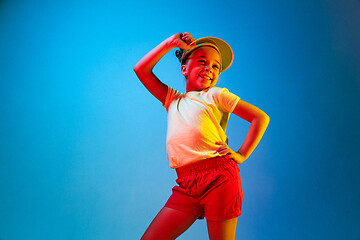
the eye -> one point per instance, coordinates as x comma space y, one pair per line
201, 61
216, 66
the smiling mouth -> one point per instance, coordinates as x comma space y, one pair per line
205, 77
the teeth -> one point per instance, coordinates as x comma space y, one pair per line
205, 77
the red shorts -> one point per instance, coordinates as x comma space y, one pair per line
208, 188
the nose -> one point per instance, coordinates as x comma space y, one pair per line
207, 67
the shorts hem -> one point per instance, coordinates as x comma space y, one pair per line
223, 218
185, 209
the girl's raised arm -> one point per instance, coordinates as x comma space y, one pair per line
144, 68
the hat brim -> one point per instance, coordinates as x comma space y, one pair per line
227, 55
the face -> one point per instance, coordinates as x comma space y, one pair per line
202, 68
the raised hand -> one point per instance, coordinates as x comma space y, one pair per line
183, 41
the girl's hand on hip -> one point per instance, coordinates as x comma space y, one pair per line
183, 41
224, 150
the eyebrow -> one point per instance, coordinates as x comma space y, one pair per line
205, 57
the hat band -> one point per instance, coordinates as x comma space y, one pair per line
197, 46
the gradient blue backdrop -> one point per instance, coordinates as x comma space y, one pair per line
82, 142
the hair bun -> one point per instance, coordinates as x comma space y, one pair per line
179, 53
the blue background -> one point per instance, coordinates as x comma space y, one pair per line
82, 142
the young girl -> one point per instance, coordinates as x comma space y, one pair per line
208, 175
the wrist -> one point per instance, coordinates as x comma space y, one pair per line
170, 42
243, 156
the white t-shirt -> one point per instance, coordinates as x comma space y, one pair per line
196, 121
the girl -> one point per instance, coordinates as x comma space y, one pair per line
208, 175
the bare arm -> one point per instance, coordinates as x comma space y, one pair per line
259, 122
144, 68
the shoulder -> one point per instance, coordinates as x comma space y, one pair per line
216, 90
217, 93
223, 98
172, 94
213, 93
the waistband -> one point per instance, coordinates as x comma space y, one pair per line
205, 164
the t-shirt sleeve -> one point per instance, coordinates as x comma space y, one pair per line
227, 101
171, 95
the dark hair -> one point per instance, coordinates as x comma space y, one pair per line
179, 53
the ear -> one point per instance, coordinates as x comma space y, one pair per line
184, 70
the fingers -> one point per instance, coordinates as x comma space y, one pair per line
188, 39
222, 144
225, 151
228, 153
223, 148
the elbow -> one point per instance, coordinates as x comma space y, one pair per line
266, 119
136, 68
262, 118
140, 69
